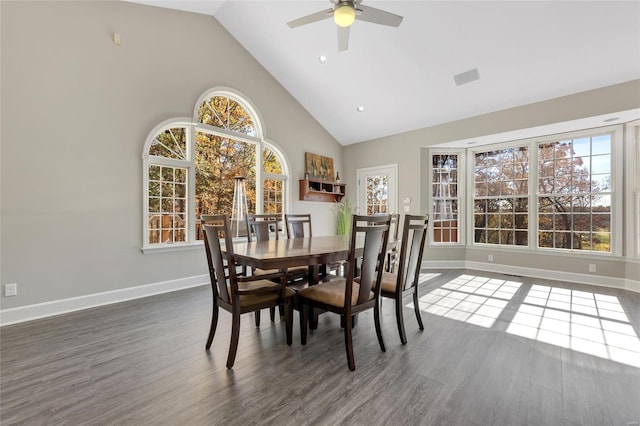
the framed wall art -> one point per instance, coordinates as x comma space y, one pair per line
319, 167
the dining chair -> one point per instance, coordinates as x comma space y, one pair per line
345, 297
214, 219
239, 295
260, 227
405, 281
298, 225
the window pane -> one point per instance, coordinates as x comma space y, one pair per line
504, 174
154, 189
154, 173
218, 161
377, 187
164, 202
226, 113
271, 162
272, 196
444, 177
171, 143
581, 167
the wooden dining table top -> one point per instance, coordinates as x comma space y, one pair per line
287, 253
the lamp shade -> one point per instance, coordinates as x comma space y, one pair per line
344, 15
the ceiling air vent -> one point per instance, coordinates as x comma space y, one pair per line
466, 77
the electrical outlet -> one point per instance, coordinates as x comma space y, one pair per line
592, 267
11, 289
490, 258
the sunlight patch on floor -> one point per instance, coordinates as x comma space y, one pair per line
586, 322
424, 277
469, 298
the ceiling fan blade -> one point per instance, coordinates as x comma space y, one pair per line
378, 16
343, 38
314, 17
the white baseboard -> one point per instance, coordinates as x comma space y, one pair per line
621, 283
57, 307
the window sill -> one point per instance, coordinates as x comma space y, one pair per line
183, 247
174, 247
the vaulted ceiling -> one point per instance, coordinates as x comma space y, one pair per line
523, 51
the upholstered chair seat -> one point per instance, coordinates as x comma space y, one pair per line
332, 293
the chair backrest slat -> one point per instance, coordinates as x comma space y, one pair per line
216, 229
394, 226
376, 234
413, 239
259, 226
298, 225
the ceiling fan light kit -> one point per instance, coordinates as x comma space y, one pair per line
344, 13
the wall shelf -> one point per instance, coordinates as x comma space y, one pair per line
317, 190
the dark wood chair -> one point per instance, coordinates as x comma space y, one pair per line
405, 282
212, 219
239, 295
332, 296
260, 227
298, 225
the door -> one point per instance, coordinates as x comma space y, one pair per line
377, 189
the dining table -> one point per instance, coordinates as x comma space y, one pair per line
314, 252
287, 253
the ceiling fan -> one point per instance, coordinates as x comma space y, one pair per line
344, 12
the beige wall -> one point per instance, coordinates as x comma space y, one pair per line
76, 109
409, 152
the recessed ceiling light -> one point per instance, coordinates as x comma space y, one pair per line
322, 59
609, 120
360, 108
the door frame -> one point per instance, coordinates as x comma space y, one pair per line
393, 187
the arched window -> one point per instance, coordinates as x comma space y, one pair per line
190, 166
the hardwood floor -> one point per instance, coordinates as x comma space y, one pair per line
143, 363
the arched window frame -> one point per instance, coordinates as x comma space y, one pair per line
191, 126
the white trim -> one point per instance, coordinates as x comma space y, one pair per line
443, 264
57, 307
599, 280
545, 130
632, 188
196, 245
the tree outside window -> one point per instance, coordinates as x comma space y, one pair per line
574, 194
501, 196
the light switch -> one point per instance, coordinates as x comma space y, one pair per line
407, 209
406, 200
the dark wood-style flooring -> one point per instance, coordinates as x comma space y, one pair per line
143, 363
